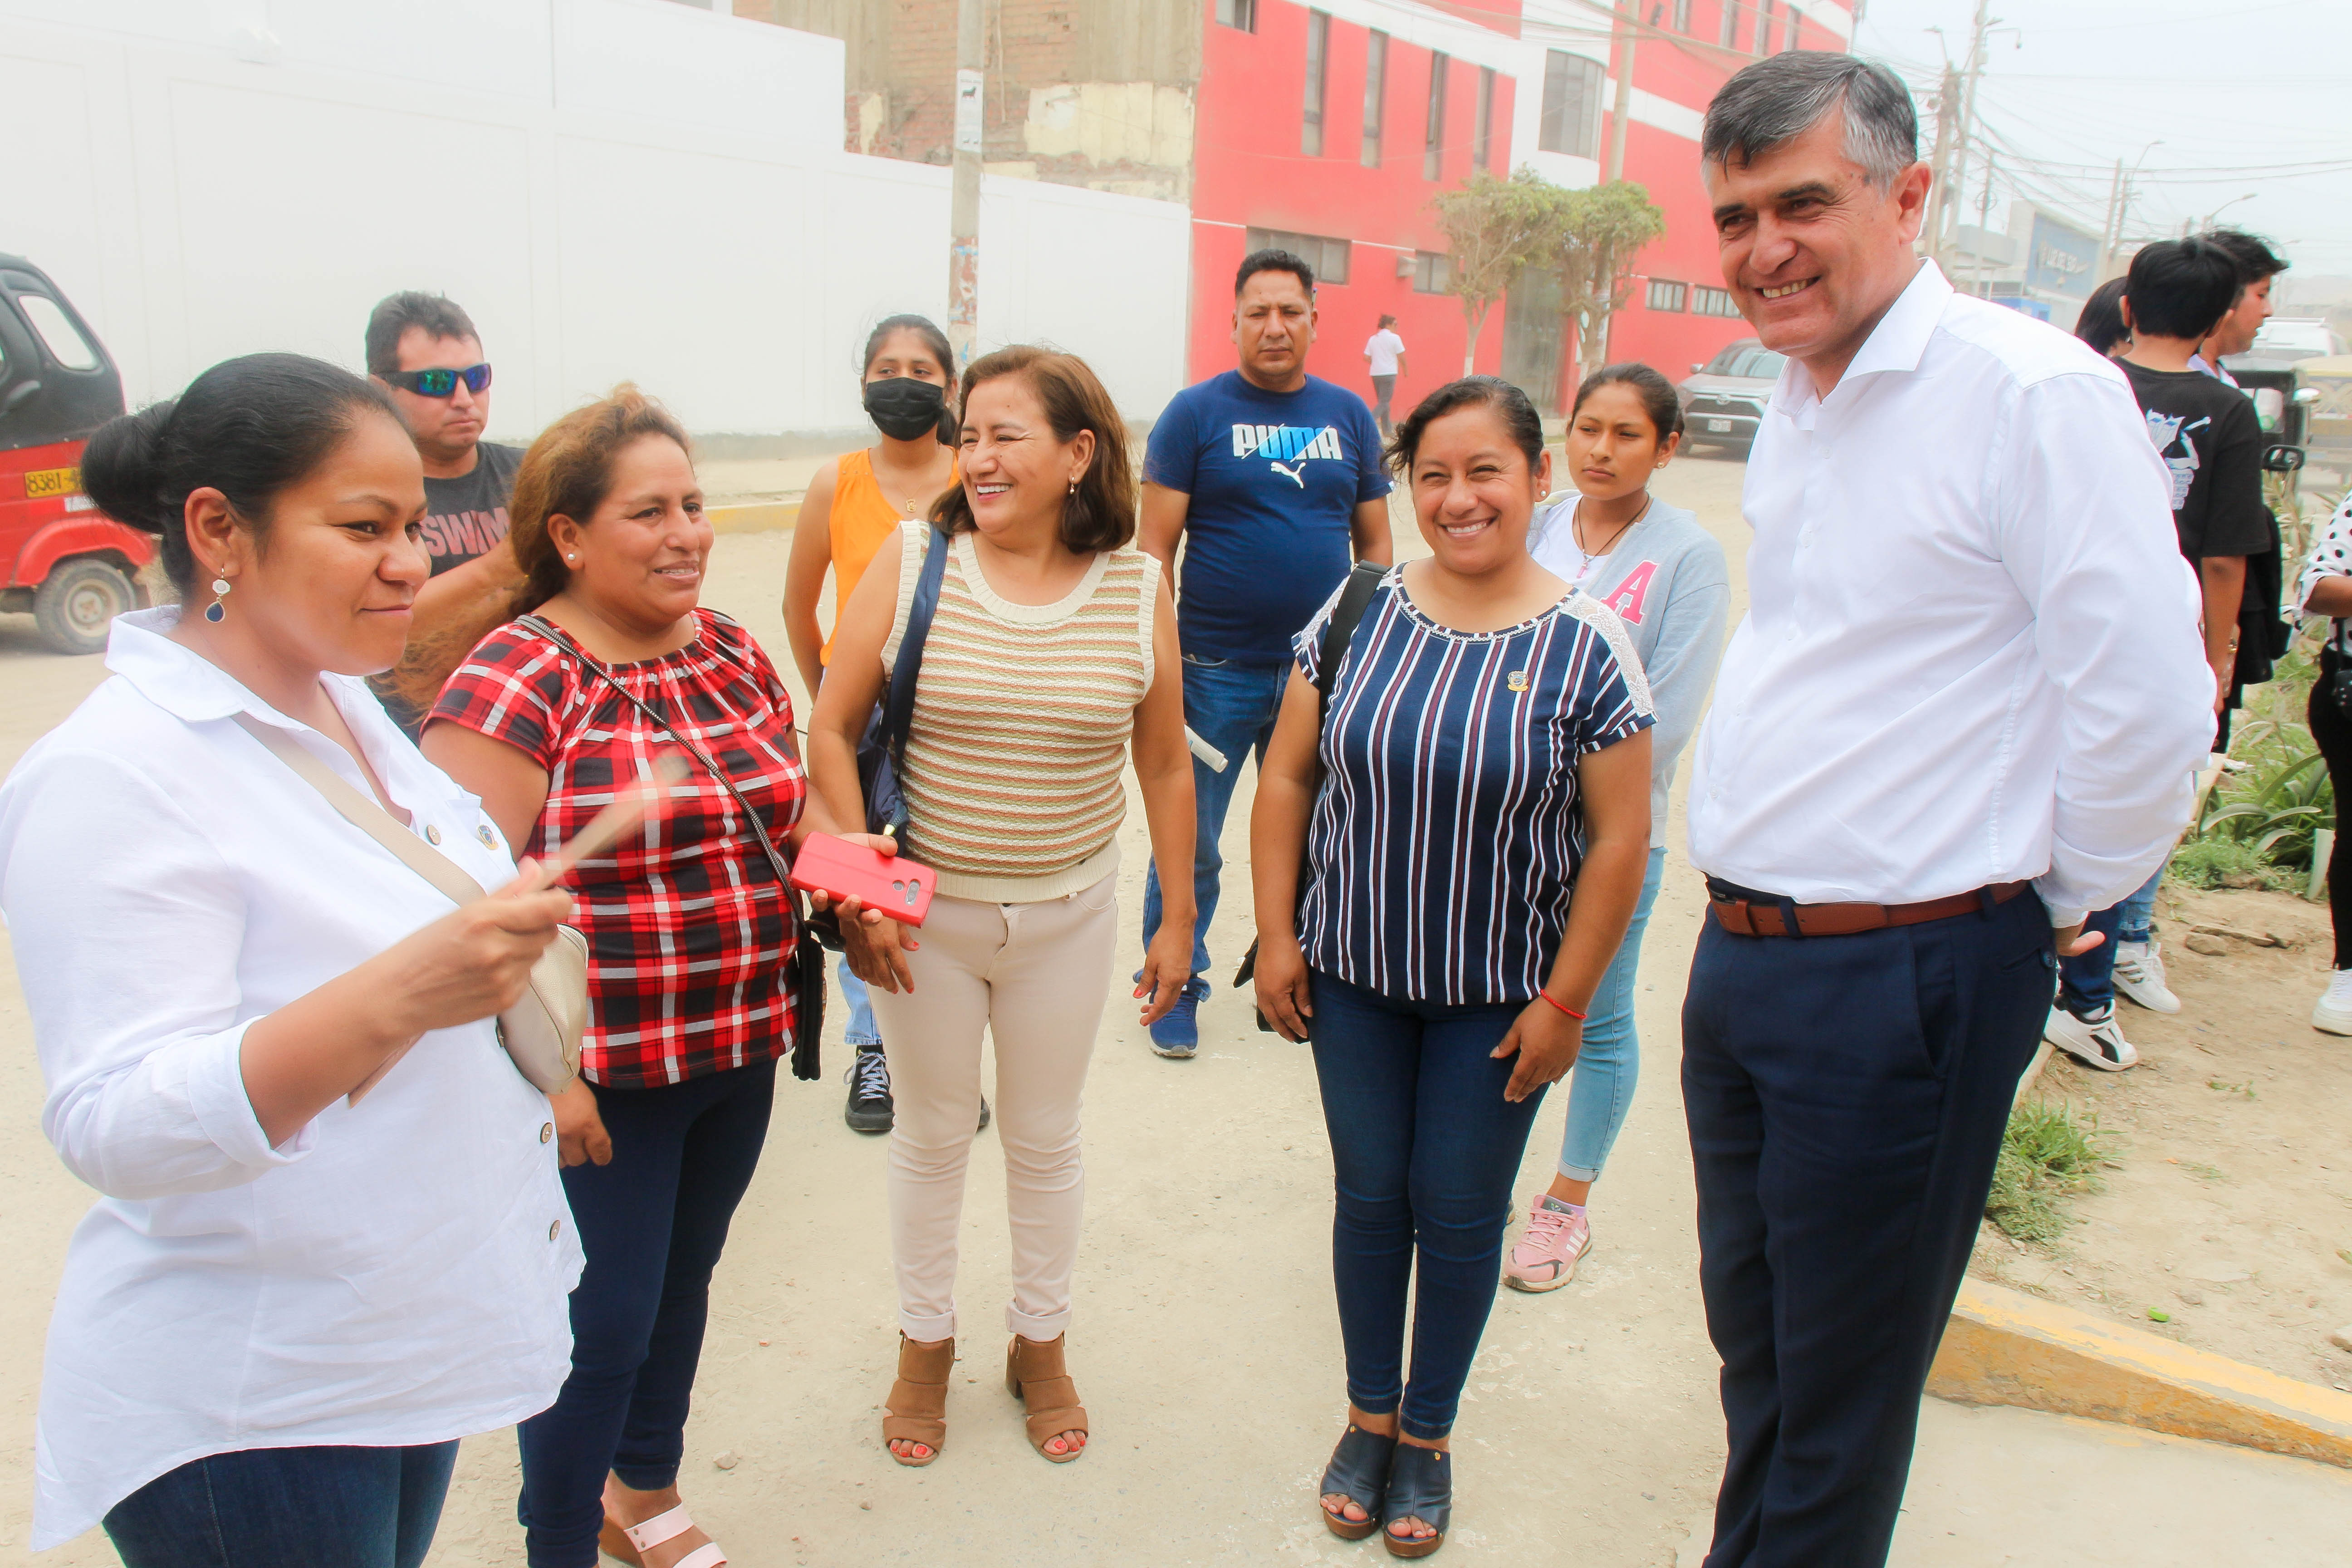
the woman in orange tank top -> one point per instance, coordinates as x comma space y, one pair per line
856, 502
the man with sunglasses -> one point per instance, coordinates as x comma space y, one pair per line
425, 352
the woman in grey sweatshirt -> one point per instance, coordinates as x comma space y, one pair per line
1665, 578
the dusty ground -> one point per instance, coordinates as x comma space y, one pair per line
1205, 1346
2232, 1198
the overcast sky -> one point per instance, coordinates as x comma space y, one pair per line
2072, 85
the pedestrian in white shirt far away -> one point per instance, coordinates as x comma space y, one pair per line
1384, 356
1963, 711
280, 1293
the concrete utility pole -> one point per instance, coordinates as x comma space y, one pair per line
1947, 97
963, 213
1969, 103
2108, 230
1621, 115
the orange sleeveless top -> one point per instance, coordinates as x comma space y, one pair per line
862, 519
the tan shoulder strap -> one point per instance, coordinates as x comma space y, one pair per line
365, 815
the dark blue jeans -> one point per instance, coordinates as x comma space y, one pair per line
1423, 1152
1231, 706
2086, 983
652, 1223
287, 1508
1846, 1098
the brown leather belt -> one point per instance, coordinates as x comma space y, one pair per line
1751, 917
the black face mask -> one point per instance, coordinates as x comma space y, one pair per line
904, 408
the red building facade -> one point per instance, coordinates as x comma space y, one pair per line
1329, 128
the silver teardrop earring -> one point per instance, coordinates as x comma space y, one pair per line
215, 612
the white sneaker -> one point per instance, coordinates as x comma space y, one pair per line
2332, 1013
2139, 975
2097, 1041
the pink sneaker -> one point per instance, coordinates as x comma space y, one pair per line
1549, 1249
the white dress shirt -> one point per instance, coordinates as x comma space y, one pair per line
1971, 653
394, 1273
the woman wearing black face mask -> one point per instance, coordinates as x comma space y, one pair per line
856, 502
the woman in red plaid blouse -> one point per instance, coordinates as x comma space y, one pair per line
689, 928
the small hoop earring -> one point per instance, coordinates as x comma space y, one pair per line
215, 612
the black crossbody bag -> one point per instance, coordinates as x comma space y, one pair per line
882, 750
804, 967
1339, 636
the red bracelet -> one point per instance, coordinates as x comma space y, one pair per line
1561, 1005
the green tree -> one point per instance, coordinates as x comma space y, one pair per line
1600, 231
1495, 230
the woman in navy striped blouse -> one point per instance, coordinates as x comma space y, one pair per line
1476, 822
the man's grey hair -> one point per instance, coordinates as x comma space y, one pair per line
1782, 97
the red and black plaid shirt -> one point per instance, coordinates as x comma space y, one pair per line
687, 928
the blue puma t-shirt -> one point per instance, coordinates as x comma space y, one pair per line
1274, 478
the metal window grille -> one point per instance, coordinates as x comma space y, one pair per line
1432, 272
1706, 301
1328, 256
1666, 296
1570, 121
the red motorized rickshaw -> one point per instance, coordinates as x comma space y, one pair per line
70, 564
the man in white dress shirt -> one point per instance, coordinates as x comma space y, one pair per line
1962, 711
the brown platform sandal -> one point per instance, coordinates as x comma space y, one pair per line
1036, 1375
916, 1410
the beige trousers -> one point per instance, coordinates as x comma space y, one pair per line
1034, 976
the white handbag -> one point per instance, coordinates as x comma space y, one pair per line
541, 1032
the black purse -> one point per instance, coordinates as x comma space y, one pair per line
1339, 635
882, 750
805, 968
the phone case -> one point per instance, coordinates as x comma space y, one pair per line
890, 883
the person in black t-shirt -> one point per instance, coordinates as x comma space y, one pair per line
2176, 292
425, 352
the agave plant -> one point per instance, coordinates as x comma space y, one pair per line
2274, 808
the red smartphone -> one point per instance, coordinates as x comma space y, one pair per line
891, 883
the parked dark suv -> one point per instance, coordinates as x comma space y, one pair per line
1723, 400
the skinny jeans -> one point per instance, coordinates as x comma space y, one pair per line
1424, 1149
652, 1223
1601, 1085
1033, 977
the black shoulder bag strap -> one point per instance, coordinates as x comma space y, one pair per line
1331, 651
807, 961
882, 750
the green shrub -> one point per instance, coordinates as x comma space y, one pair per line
2048, 1156
2224, 862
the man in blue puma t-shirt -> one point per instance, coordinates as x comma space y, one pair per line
1275, 476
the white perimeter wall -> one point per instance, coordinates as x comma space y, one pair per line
612, 188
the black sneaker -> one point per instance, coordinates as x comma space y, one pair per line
869, 1093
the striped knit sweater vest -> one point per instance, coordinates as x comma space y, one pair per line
1016, 754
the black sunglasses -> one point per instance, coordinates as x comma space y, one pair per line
440, 383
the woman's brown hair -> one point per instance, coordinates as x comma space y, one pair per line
1100, 514
568, 472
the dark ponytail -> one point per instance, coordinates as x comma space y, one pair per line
1657, 394
248, 427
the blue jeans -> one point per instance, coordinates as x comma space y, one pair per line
652, 1223
862, 1033
1600, 1091
1424, 1149
287, 1508
1231, 706
2086, 985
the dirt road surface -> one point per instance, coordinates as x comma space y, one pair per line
1205, 1344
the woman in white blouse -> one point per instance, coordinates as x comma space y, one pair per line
279, 1293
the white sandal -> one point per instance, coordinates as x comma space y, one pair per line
663, 1527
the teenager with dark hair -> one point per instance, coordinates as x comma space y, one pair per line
1665, 578
2257, 266
2101, 323
427, 354
1271, 479
854, 505
1473, 806
2175, 295
281, 1294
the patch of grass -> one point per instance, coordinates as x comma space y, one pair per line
2245, 1090
2224, 862
2049, 1156
2197, 1168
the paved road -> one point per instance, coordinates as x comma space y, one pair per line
1205, 1344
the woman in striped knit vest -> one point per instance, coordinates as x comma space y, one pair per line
1053, 650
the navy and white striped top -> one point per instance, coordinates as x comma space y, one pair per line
1447, 832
